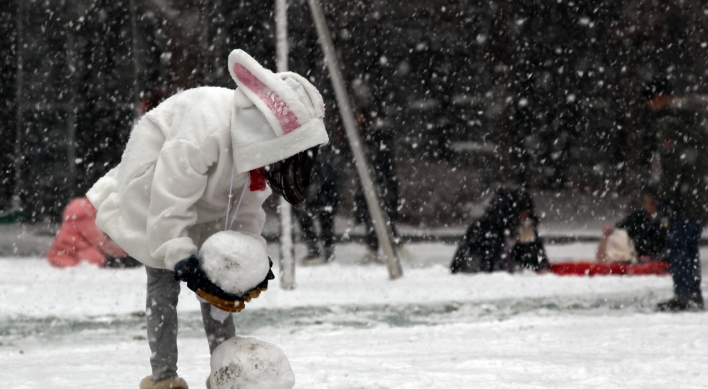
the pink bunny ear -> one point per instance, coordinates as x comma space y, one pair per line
278, 103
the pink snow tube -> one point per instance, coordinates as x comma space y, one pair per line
79, 239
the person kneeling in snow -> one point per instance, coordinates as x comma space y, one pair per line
639, 237
504, 238
200, 159
79, 240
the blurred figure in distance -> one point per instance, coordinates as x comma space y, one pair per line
79, 240
504, 238
639, 237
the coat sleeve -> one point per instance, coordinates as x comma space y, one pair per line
179, 182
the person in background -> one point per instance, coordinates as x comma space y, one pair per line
639, 237
504, 238
683, 147
377, 134
322, 204
79, 240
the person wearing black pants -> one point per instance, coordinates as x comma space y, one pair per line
682, 244
322, 205
683, 146
379, 146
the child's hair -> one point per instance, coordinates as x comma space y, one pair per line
291, 176
153, 98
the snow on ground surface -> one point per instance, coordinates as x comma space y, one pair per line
347, 326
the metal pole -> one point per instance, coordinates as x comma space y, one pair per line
135, 48
287, 249
381, 223
16, 197
71, 111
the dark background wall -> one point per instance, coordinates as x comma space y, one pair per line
480, 93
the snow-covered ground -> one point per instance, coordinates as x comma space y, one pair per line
348, 326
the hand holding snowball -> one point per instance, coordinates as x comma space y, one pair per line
233, 268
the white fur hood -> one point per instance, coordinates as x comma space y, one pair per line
171, 189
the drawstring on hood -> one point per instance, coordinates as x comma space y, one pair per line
227, 224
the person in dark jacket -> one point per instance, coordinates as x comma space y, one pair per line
680, 124
645, 227
372, 99
504, 238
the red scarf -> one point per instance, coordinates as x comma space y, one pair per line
258, 181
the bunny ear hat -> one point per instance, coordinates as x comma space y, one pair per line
277, 114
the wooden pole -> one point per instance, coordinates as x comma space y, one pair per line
380, 219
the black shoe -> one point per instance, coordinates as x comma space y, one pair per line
329, 254
313, 260
680, 304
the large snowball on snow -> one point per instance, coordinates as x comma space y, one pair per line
234, 261
248, 363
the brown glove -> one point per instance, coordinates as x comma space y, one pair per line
197, 281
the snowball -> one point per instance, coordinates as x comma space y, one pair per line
234, 261
248, 363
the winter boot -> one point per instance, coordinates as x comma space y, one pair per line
329, 254
403, 253
680, 304
174, 383
313, 260
371, 257
313, 257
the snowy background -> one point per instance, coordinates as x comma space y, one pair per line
348, 326
477, 92
547, 95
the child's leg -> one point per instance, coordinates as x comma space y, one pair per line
161, 312
309, 234
216, 331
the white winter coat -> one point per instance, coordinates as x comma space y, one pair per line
170, 191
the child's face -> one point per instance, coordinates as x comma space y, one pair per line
649, 204
524, 215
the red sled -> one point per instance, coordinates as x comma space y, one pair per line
604, 269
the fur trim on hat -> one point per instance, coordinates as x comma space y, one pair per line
280, 148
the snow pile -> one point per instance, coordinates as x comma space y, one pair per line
248, 363
234, 261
